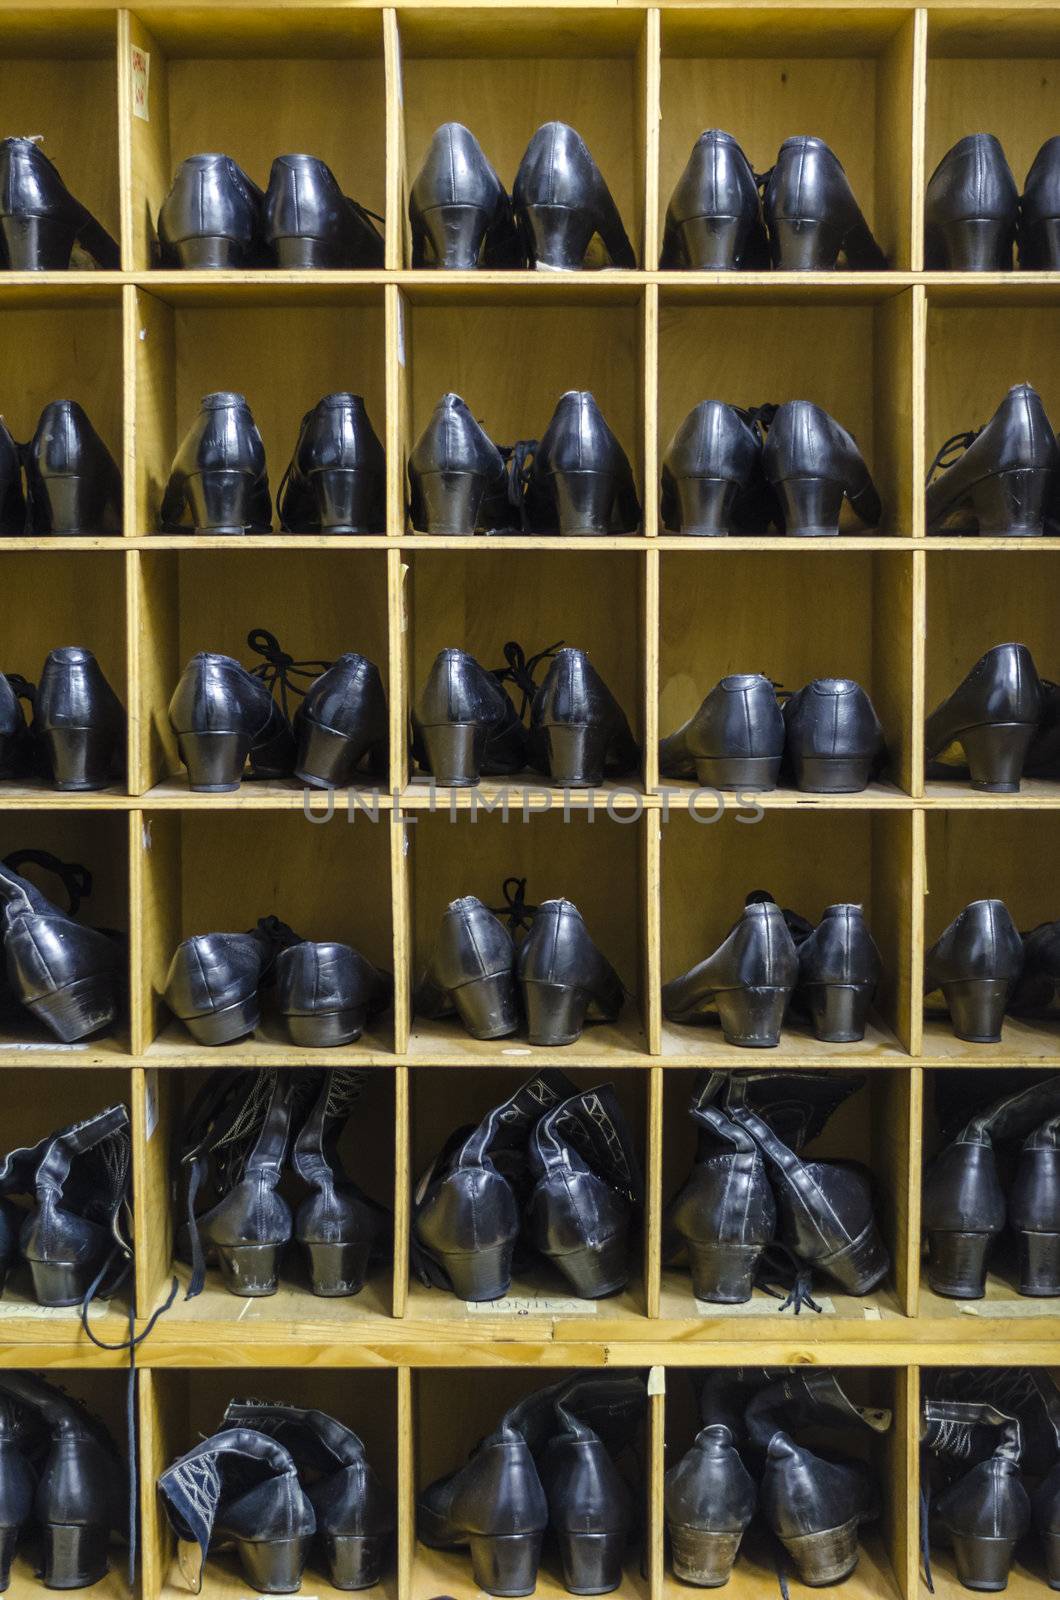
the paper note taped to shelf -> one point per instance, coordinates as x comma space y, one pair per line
529, 1305
762, 1308
1010, 1308
141, 74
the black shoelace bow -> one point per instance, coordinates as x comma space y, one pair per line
516, 910
518, 459
280, 669
521, 668
950, 453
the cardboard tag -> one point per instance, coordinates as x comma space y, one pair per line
141, 75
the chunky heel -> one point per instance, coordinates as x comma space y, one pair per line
977, 1008
194, 254
273, 1566
1051, 1546
344, 499
754, 773
803, 245
506, 1564
482, 1274
555, 1012
451, 501
37, 244
714, 244
454, 753
826, 1557
75, 505
336, 1270
752, 1017
559, 237
1040, 248
583, 502
592, 1562
956, 1264
80, 758
231, 1022
326, 1030
354, 1561
1039, 1263
61, 1283
811, 507
218, 501
249, 1269
75, 1555
832, 774
455, 234
705, 1559
995, 753
79, 1010
488, 1007
706, 506
8, 1548
982, 1563
295, 254
1012, 504
722, 1274
598, 1270
576, 754
215, 761
977, 244
327, 759
839, 1012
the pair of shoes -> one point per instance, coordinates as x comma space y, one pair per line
59, 1469
63, 482
965, 1207
974, 215
66, 975
998, 723
335, 481
215, 216
750, 1187
40, 221
828, 737
806, 219
239, 1133
731, 470
575, 479
553, 1167
462, 216
478, 973
812, 1503
1001, 480
464, 723
326, 992
773, 958
77, 736
551, 1464
983, 968
272, 1480
225, 714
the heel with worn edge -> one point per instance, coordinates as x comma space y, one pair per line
1039, 1264
345, 498
1012, 504
451, 501
75, 1554
1051, 1546
355, 1561
218, 501
555, 1012
325, 1030
825, 1557
801, 244
480, 1274
995, 753
832, 774
706, 506
61, 1283
80, 758
714, 244
80, 1009
37, 244
336, 1270
250, 1269
215, 761
559, 236
752, 1017
209, 251
327, 759
577, 753
977, 1008
1040, 245
273, 1566
701, 1557
982, 1563
839, 1012
455, 234
810, 506
598, 1270
722, 1274
956, 1265
8, 1550
73, 506
753, 773
977, 244
584, 501
296, 252
230, 1022
454, 752
506, 1564
592, 1562
488, 1007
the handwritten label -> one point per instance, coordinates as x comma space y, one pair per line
756, 1308
141, 74
518, 1305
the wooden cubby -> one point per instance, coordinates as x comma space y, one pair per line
903, 359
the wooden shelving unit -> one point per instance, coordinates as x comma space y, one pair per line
903, 358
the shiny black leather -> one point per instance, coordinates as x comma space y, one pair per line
328, 992
709, 1498
970, 209
984, 1508
580, 479
748, 979
561, 201
813, 464
1034, 1210
1001, 483
18, 1481
460, 212
811, 215
590, 1507
212, 216
713, 220
833, 738
578, 730
457, 476
213, 979
12, 496
10, 1223
992, 715
565, 979
1036, 991
1039, 224
73, 484
15, 742
336, 481
976, 963
1030, 1394
218, 482
340, 1229
839, 970
464, 723
79, 720
66, 975
307, 221
725, 1214
734, 741
712, 473
341, 726
471, 972
223, 714
40, 221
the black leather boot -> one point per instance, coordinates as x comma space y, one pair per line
241, 1488
342, 727
327, 993
811, 215
1039, 226
1036, 992
16, 743
839, 970
714, 220
212, 216
984, 1509
970, 209
580, 480
66, 975
235, 1139
993, 717
976, 963
814, 464
218, 483
460, 213
565, 980
734, 741
457, 476
73, 485
464, 723
587, 1192
562, 203
213, 980
712, 472
996, 480
355, 1513
40, 221
10, 1226
224, 714
1034, 1210
725, 1216
18, 1483
590, 1508
1045, 1508
339, 1228
307, 221
710, 1497
12, 496
748, 980
471, 972
834, 742
578, 730
336, 480
80, 721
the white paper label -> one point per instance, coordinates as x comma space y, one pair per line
516, 1305
1011, 1308
42, 1044
141, 74
756, 1308
656, 1380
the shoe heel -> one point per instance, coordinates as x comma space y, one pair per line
706, 506
1039, 1259
1041, 250
995, 753
714, 244
956, 1265
558, 237
326, 759
839, 1012
61, 1283
249, 1269
273, 1566
326, 1030
81, 1009
598, 1270
723, 1274
977, 1008
80, 758
337, 1269
354, 1562
832, 774
231, 1022
345, 497
555, 1012
752, 1017
811, 507
295, 254
826, 1557
1012, 504
583, 502
800, 245
488, 1007
1051, 1546
8, 1549
454, 753
455, 234
451, 501
592, 1562
576, 754
196, 254
37, 244
482, 1275
74, 506
215, 761
506, 1564
977, 244
705, 1559
982, 1563
75, 1555
756, 773
218, 501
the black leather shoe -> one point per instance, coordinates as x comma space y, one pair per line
307, 221
341, 726
813, 465
562, 202
811, 215
327, 993
748, 980
1043, 757
213, 979
66, 975
1034, 1210
976, 963
565, 980
218, 483
240, 1488
12, 496
724, 1217
1039, 228
578, 730
839, 970
340, 1229
1036, 992
712, 472
580, 480
714, 219
984, 1509
212, 216
222, 714
590, 1507
1045, 1509
997, 481
336, 480
457, 476
40, 221
355, 1513
73, 485
834, 742
987, 725
18, 1480
464, 723
460, 213
471, 972
79, 719
970, 209
734, 741
710, 1498
16, 745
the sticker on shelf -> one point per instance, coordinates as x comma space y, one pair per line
762, 1308
530, 1305
44, 1044
656, 1380
1008, 1308
141, 75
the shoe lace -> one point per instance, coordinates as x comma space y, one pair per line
76, 879
951, 451
775, 1263
279, 669
518, 459
759, 418
521, 668
519, 913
